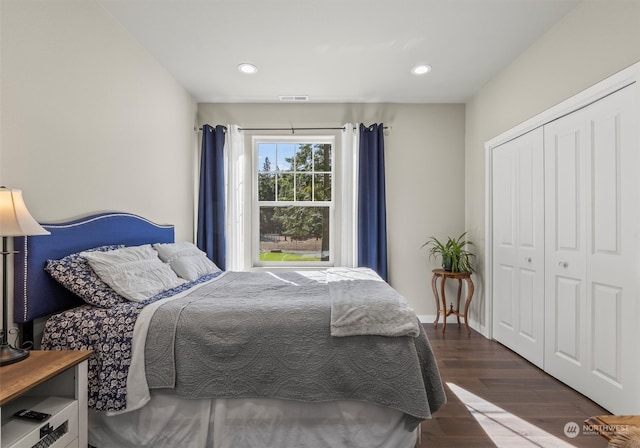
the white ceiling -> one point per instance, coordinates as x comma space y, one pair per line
336, 50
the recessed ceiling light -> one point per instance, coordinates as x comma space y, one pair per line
247, 68
421, 69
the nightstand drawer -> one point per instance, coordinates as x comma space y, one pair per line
59, 431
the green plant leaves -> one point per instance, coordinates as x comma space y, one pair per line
455, 251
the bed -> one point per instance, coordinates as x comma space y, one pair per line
226, 359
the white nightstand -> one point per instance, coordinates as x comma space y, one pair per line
54, 382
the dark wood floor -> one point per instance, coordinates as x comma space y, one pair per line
499, 376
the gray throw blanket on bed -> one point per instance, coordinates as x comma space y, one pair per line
363, 304
258, 335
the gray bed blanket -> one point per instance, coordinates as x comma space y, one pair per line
258, 335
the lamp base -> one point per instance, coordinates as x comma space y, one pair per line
9, 355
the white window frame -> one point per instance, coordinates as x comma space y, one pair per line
255, 208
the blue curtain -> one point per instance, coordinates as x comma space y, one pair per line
211, 222
372, 208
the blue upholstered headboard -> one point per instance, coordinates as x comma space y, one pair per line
36, 294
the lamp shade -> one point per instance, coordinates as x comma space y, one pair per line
15, 219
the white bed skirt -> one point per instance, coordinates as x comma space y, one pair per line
170, 422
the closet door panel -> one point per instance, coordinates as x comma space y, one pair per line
605, 177
567, 320
568, 190
504, 313
606, 311
527, 190
528, 305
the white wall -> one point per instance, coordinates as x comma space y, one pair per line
89, 120
424, 156
594, 41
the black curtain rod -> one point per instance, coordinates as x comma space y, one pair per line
293, 129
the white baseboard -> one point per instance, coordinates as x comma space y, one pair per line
430, 319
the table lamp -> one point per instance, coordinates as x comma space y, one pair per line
15, 220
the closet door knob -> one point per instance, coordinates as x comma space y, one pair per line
563, 264
527, 259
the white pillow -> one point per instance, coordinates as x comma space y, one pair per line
186, 260
135, 272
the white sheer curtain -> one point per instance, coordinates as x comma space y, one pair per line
347, 206
238, 181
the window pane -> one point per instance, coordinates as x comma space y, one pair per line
304, 187
322, 187
285, 153
322, 157
266, 157
266, 187
285, 187
294, 234
304, 157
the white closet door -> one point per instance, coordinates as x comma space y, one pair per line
612, 252
565, 231
591, 204
518, 245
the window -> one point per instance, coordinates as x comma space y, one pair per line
294, 206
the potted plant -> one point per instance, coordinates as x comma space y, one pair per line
455, 253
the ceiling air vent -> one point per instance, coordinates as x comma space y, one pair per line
294, 98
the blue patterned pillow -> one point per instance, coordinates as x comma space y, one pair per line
74, 273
